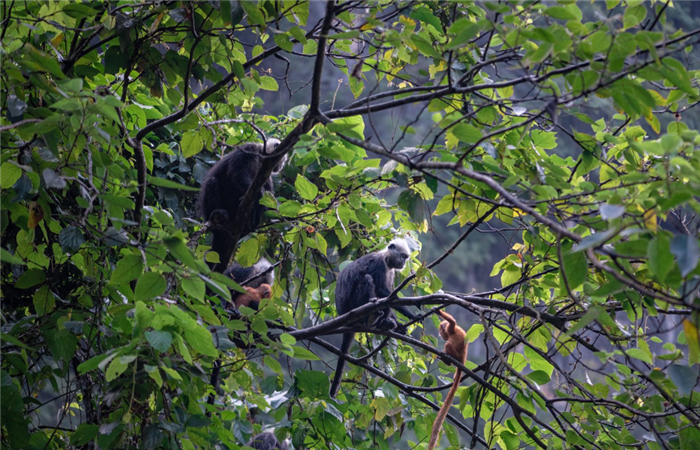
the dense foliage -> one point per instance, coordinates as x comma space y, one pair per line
114, 333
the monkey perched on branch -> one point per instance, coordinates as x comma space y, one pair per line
456, 346
362, 281
256, 280
224, 187
267, 441
253, 296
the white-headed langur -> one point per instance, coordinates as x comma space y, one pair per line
369, 278
256, 280
267, 441
224, 187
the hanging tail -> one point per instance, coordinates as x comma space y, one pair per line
442, 414
344, 347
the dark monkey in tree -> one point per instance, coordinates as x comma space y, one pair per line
267, 441
224, 187
455, 346
362, 281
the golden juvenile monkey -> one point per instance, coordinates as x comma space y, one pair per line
253, 296
455, 346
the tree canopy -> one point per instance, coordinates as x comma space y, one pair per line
567, 131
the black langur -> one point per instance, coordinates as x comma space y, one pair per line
258, 275
267, 441
224, 187
362, 281
455, 346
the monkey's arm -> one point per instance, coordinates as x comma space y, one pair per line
450, 320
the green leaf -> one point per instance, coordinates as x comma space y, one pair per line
194, 287
128, 268
9, 174
290, 208
685, 378
474, 332
4, 337
155, 181
30, 278
142, 318
465, 30
687, 252
115, 368
191, 143
200, 339
255, 16
160, 340
569, 12
71, 238
13, 413
539, 377
305, 354
425, 47
592, 314
92, 363
575, 266
84, 434
9, 258
312, 384
306, 189
676, 73
467, 133
150, 285
350, 126
423, 15
660, 260
179, 250
634, 15
639, 354
248, 253
269, 84
44, 300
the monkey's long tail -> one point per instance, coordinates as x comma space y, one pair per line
344, 347
222, 244
442, 414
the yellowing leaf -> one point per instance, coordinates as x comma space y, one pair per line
692, 337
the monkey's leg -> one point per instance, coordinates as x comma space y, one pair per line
337, 378
218, 218
222, 244
386, 320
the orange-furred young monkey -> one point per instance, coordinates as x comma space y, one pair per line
455, 346
253, 296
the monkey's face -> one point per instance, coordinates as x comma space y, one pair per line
265, 291
271, 144
398, 255
443, 330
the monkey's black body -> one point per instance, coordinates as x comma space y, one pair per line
267, 441
368, 278
223, 188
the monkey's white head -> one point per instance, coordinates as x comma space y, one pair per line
270, 145
397, 253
